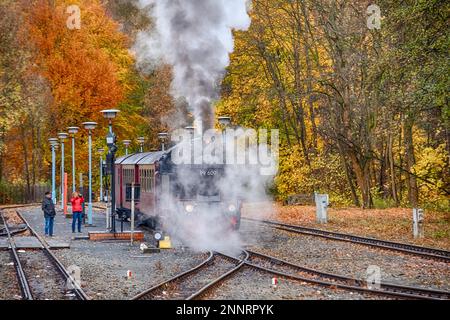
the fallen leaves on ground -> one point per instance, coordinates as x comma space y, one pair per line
390, 224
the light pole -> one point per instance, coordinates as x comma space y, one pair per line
100, 151
141, 141
73, 131
53, 144
90, 126
224, 121
110, 114
62, 136
191, 131
126, 143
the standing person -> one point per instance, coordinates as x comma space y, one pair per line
49, 213
77, 210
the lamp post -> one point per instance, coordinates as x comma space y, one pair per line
73, 131
100, 151
110, 114
225, 122
56, 147
90, 126
62, 136
53, 144
126, 143
162, 136
191, 131
141, 141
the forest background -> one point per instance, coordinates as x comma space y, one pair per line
363, 112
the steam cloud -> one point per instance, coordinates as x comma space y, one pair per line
195, 38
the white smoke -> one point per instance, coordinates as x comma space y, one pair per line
208, 226
195, 38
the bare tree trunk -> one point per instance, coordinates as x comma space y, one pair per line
382, 172
33, 159
392, 170
349, 176
26, 164
400, 188
362, 172
413, 195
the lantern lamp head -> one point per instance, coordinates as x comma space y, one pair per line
73, 130
110, 113
53, 141
90, 125
141, 140
224, 120
162, 136
62, 136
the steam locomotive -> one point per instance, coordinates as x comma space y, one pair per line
167, 190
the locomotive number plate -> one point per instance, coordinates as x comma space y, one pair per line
209, 172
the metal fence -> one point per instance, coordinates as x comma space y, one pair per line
18, 194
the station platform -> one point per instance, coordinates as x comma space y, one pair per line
62, 229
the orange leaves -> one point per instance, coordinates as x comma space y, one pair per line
78, 63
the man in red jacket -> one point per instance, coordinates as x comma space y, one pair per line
77, 210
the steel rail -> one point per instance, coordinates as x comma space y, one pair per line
426, 252
147, 293
23, 281
351, 283
202, 291
79, 292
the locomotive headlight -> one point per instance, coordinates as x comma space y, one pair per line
158, 235
189, 208
231, 208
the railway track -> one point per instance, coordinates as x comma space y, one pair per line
296, 272
22, 279
196, 282
175, 288
31, 264
425, 252
217, 267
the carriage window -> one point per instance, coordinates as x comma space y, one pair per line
146, 179
128, 176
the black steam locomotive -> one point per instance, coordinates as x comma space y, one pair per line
169, 191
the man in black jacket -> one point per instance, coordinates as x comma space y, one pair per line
49, 213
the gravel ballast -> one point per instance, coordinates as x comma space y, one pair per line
8, 279
249, 284
346, 258
104, 265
